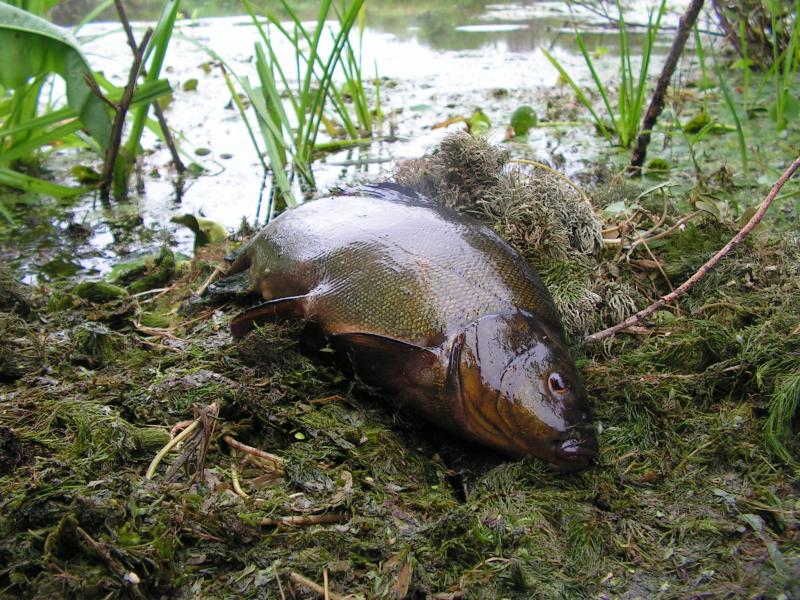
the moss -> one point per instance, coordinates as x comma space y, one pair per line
98, 292
14, 296
156, 275
95, 343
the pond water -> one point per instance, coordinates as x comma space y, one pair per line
435, 61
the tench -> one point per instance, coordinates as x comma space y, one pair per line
433, 307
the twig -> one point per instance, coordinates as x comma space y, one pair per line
151, 470
98, 92
564, 178
119, 118
278, 579
156, 331
235, 474
658, 266
162, 120
657, 101
666, 232
209, 425
325, 519
113, 564
710, 264
327, 592
211, 279
272, 458
298, 579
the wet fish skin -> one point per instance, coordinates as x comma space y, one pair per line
433, 307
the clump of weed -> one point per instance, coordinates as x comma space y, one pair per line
537, 210
14, 296
458, 173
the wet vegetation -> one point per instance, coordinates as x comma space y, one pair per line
289, 474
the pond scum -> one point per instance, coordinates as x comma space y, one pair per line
695, 494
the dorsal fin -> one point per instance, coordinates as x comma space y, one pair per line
388, 190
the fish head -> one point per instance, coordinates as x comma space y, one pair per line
515, 387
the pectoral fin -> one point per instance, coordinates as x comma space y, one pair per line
291, 307
391, 364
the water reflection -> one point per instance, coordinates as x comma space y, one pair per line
463, 25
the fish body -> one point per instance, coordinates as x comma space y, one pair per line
433, 307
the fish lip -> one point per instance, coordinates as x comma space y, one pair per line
573, 454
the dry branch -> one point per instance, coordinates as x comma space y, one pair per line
119, 119
325, 519
162, 120
710, 264
657, 102
306, 583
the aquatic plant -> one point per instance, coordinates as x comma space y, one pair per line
785, 66
36, 49
625, 119
732, 107
289, 129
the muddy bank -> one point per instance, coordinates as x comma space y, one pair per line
695, 492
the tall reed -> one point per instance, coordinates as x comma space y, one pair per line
625, 120
291, 112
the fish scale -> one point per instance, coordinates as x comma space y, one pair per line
428, 269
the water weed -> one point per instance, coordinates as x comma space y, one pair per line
289, 129
625, 119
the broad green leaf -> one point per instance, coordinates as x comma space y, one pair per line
33, 47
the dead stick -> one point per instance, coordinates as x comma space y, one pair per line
325, 519
218, 270
278, 579
272, 458
310, 585
701, 272
162, 120
657, 102
119, 118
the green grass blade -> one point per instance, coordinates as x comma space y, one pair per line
346, 24
92, 15
578, 92
734, 113
596, 78
783, 405
147, 93
31, 144
27, 183
243, 114
6, 214
294, 99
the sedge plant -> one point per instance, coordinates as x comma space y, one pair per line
784, 68
291, 106
623, 122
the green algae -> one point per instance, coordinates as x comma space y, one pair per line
695, 492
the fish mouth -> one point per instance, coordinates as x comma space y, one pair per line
574, 454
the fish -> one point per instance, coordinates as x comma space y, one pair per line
433, 307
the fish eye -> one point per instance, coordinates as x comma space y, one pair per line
557, 383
